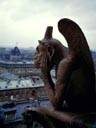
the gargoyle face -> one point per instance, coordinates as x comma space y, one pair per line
39, 55
43, 54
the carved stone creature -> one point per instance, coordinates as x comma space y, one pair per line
75, 74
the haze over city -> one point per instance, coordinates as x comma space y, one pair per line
24, 21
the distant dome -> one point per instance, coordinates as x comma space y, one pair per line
15, 51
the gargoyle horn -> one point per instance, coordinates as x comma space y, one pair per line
48, 33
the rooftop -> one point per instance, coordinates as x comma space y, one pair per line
19, 83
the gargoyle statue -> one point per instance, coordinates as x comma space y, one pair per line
75, 74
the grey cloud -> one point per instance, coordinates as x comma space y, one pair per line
16, 16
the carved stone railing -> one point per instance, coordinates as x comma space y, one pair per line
50, 118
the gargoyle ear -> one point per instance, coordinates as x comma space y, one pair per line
39, 41
50, 52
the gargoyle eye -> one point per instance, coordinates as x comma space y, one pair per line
43, 43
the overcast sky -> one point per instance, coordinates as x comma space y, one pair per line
25, 21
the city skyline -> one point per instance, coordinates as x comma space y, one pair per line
24, 21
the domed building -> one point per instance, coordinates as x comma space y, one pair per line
15, 54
